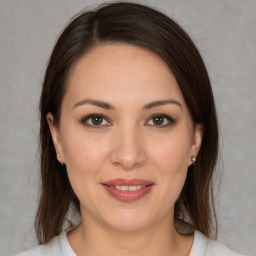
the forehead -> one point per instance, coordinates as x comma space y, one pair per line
125, 71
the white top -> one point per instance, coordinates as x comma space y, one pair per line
59, 246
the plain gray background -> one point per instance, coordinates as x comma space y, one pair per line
224, 31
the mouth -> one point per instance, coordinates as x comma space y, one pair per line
128, 190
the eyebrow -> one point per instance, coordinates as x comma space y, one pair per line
108, 106
161, 103
97, 103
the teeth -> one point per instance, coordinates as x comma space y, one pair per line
133, 188
129, 188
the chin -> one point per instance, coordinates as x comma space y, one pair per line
128, 221
128, 226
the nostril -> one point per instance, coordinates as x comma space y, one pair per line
127, 153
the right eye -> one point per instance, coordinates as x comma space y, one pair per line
95, 121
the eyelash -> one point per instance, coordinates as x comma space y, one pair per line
170, 120
85, 119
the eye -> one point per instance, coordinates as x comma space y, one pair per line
94, 120
161, 120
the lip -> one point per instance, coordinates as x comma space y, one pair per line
127, 182
128, 196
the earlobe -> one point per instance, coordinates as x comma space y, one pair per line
55, 137
196, 143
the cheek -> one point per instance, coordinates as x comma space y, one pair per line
83, 152
84, 158
170, 158
171, 153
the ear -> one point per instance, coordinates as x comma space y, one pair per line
55, 137
196, 142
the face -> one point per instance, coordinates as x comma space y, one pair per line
126, 137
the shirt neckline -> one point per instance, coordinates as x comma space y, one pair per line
198, 248
199, 245
65, 245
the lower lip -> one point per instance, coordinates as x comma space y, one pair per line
128, 196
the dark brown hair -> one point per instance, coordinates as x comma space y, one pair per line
142, 26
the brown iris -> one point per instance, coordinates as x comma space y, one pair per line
158, 120
97, 120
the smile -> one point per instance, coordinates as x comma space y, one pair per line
128, 190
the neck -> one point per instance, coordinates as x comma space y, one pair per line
94, 238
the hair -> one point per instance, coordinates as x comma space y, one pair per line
141, 26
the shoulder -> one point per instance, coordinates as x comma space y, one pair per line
202, 245
205, 246
217, 248
51, 248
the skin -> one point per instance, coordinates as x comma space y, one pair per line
128, 144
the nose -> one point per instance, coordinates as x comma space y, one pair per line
128, 148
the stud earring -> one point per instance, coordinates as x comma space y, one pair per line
58, 158
193, 159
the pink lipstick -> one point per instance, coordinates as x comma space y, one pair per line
128, 190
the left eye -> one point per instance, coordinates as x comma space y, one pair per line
160, 120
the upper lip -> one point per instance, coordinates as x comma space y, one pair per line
127, 182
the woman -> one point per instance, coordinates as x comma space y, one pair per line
129, 140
